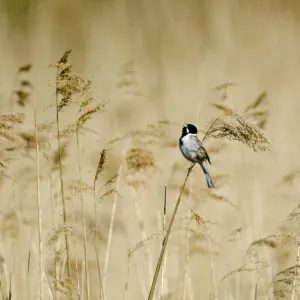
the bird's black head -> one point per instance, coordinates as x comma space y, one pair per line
189, 128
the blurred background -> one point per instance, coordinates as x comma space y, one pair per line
158, 64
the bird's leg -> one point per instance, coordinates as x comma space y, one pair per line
191, 167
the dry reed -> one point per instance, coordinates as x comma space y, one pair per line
38, 190
234, 128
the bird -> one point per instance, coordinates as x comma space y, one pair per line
193, 150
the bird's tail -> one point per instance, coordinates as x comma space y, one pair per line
207, 176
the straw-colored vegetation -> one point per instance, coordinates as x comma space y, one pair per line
97, 201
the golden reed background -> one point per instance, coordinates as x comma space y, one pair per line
157, 60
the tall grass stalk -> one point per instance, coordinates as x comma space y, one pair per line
100, 167
187, 247
86, 267
3, 278
62, 190
100, 284
56, 260
111, 226
12, 267
38, 196
141, 225
164, 232
160, 259
75, 243
212, 263
162, 225
127, 276
50, 287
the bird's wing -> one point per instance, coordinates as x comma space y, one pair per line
202, 152
207, 157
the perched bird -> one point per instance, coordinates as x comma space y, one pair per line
193, 150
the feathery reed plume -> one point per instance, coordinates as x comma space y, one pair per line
153, 134
224, 108
71, 84
257, 102
25, 68
22, 91
254, 266
234, 127
223, 199
141, 244
63, 90
257, 110
100, 167
10, 142
290, 177
233, 236
8, 123
139, 159
285, 283
128, 80
107, 189
68, 85
86, 112
139, 162
223, 88
255, 263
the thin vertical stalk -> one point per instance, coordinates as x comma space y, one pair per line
164, 259
56, 273
111, 226
144, 234
212, 263
187, 248
63, 200
100, 284
87, 285
12, 267
75, 244
127, 276
38, 198
151, 293
50, 287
